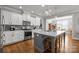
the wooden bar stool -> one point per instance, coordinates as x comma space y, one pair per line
47, 45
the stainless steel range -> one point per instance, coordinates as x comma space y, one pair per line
27, 34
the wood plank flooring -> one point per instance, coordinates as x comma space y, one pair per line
21, 47
71, 46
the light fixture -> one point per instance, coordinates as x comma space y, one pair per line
43, 5
32, 11
50, 10
20, 7
46, 12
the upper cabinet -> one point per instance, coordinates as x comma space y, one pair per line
20, 19
6, 17
37, 21
10, 18
25, 17
32, 21
14, 19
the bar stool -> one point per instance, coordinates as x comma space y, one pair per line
57, 44
47, 45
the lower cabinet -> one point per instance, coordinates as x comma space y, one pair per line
7, 38
11, 37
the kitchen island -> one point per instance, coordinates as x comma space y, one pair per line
41, 36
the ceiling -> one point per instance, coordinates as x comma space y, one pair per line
47, 10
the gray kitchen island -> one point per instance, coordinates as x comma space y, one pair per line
41, 37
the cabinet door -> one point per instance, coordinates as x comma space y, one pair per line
15, 19
25, 18
7, 38
32, 20
3, 16
6, 17
21, 35
38, 21
15, 38
20, 19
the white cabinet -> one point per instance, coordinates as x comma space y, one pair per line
21, 35
10, 18
20, 20
37, 21
6, 17
7, 38
11, 37
32, 20
28, 18
25, 17
15, 19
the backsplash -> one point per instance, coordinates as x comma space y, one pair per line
9, 27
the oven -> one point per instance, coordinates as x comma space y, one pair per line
27, 34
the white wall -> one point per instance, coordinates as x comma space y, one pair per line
75, 34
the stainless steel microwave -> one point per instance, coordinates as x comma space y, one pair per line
27, 23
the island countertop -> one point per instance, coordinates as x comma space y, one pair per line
49, 33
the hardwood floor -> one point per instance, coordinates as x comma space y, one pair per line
71, 46
21, 47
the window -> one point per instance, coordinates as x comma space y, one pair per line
64, 23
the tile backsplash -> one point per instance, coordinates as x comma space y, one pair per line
8, 27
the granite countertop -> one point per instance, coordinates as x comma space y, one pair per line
50, 33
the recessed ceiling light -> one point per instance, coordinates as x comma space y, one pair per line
50, 10
32, 11
20, 7
46, 12
43, 5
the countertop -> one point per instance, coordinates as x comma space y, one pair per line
13, 30
18, 30
49, 33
